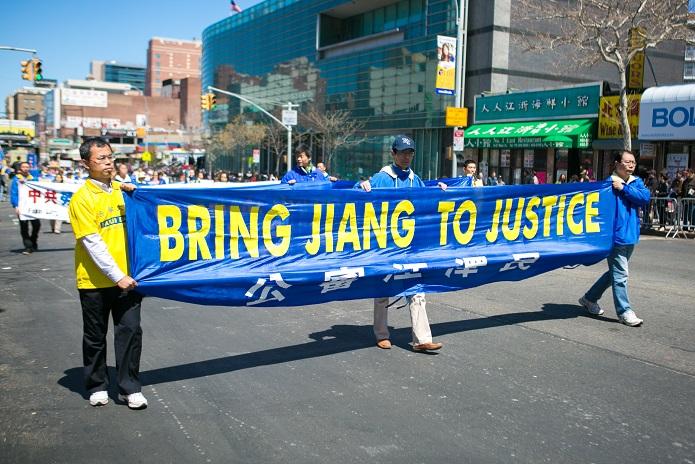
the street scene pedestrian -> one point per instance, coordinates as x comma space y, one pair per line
29, 240
400, 175
97, 215
631, 195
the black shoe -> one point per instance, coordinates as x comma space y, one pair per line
27, 251
35, 247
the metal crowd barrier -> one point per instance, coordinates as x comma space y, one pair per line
687, 214
667, 214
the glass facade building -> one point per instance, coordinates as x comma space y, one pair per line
375, 59
125, 74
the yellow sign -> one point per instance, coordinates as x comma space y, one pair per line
635, 77
140, 132
456, 116
147, 156
609, 118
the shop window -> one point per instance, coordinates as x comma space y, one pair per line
689, 71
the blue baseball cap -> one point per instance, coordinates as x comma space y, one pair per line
403, 142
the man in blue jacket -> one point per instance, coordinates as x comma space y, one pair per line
399, 175
631, 194
29, 240
304, 171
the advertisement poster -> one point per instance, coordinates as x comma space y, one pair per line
445, 83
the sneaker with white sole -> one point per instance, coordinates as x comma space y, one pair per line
99, 398
134, 400
591, 307
630, 318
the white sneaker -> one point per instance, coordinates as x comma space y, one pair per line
99, 398
590, 306
135, 400
630, 318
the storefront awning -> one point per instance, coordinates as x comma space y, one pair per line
575, 133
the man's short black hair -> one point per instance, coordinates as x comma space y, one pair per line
618, 155
86, 147
301, 148
469, 161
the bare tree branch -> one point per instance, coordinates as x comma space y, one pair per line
593, 31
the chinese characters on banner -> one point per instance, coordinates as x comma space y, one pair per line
45, 200
285, 246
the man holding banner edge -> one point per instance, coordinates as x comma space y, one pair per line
631, 194
399, 175
97, 214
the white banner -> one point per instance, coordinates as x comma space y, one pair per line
83, 97
45, 200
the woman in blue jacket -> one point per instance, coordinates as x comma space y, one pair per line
631, 195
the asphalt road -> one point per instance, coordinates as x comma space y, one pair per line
525, 375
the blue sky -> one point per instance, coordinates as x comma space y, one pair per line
68, 34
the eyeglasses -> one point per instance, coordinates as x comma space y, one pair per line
406, 152
103, 159
629, 163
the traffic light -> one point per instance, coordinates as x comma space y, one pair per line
208, 101
38, 73
27, 70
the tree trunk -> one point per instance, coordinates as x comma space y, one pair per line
623, 110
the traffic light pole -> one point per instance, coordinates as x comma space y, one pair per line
17, 49
286, 126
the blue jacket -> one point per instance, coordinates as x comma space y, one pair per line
14, 188
629, 200
395, 177
300, 174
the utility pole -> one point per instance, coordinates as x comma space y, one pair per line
289, 105
289, 117
461, 51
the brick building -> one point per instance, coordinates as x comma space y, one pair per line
170, 59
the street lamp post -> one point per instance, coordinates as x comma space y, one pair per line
286, 126
461, 49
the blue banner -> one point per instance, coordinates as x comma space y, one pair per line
295, 245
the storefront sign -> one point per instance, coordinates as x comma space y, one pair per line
635, 78
18, 127
445, 81
668, 113
676, 162
537, 134
647, 151
609, 126
581, 101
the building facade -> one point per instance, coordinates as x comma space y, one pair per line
112, 71
378, 60
170, 59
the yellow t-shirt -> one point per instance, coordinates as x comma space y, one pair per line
94, 211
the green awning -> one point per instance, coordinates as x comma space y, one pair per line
574, 133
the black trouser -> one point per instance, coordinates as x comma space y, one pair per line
30, 240
125, 310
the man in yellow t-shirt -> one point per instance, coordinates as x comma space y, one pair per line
97, 215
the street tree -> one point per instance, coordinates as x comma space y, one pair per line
236, 135
336, 128
277, 142
594, 31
